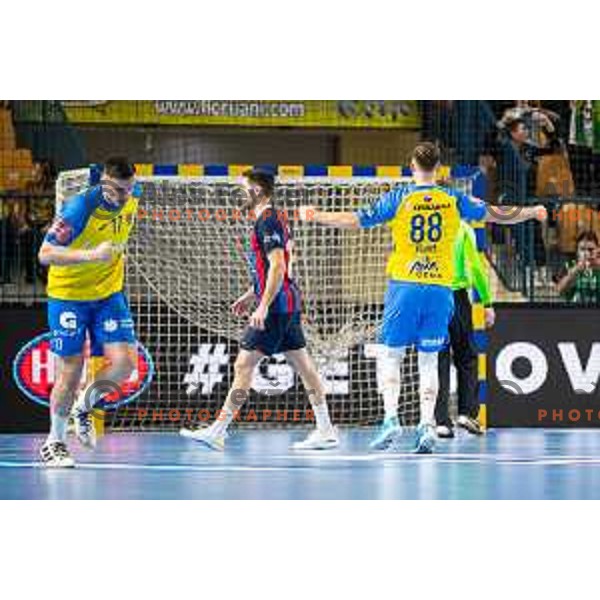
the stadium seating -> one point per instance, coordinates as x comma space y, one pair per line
15, 164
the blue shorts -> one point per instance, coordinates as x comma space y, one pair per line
106, 321
417, 314
282, 332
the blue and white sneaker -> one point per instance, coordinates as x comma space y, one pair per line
425, 442
389, 432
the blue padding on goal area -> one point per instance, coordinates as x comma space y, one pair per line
216, 170
271, 169
364, 171
481, 339
164, 170
315, 171
482, 391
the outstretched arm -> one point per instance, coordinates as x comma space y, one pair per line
342, 220
50, 254
378, 213
511, 215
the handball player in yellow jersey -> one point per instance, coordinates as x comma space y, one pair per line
85, 251
424, 219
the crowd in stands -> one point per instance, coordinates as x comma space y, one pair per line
532, 151
529, 151
26, 205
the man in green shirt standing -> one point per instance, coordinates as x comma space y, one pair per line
469, 272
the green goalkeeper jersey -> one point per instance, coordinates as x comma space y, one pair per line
469, 270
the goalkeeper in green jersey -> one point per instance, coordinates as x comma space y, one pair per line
469, 272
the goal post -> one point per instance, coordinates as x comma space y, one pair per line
186, 265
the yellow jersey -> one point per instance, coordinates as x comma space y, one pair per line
85, 221
424, 221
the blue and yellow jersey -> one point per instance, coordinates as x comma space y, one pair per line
424, 220
85, 221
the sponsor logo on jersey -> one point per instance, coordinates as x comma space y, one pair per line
110, 325
68, 320
425, 267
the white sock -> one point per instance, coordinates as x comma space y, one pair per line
428, 386
389, 363
322, 417
220, 425
58, 428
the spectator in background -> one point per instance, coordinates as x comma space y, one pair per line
579, 279
581, 143
517, 175
7, 238
541, 124
35, 217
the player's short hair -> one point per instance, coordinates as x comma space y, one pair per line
119, 167
265, 179
514, 124
427, 156
587, 236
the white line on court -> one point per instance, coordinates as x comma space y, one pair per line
449, 458
138, 467
395, 457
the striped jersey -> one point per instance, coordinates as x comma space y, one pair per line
270, 232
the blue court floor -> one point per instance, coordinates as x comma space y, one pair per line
258, 464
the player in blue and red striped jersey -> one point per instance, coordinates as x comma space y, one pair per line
275, 324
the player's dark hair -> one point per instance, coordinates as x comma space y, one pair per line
119, 167
513, 125
427, 156
263, 178
587, 236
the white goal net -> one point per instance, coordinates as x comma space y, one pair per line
186, 265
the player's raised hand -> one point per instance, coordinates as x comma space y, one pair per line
307, 213
103, 252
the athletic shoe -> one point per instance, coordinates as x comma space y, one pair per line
206, 437
84, 426
444, 432
56, 455
389, 431
317, 440
471, 425
425, 442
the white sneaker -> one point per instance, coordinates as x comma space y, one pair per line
206, 437
84, 427
471, 425
444, 432
56, 455
318, 440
